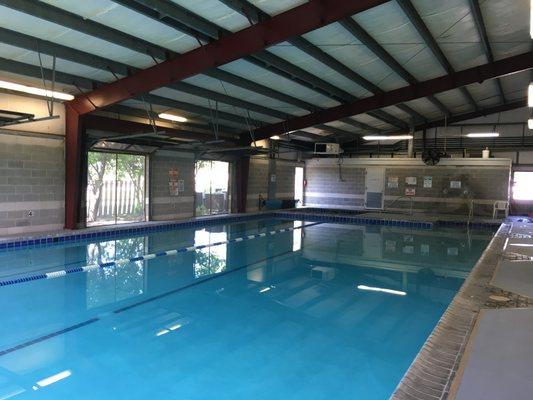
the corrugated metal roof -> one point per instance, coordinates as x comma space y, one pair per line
451, 24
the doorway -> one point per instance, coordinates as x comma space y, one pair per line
211, 187
116, 188
299, 186
375, 185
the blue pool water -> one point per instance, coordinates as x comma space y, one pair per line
293, 315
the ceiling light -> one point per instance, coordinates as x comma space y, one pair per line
483, 135
388, 137
275, 137
171, 117
35, 91
530, 95
378, 289
530, 123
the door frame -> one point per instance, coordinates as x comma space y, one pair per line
382, 170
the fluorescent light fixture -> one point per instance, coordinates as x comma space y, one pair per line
172, 117
265, 290
275, 137
530, 95
378, 289
35, 91
388, 137
530, 121
162, 332
54, 378
483, 134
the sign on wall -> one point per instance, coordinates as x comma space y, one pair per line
455, 184
173, 186
410, 191
428, 182
410, 180
392, 182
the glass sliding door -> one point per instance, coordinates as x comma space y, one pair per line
116, 188
211, 187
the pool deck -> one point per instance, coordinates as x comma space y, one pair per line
481, 348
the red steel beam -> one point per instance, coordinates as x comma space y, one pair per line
73, 154
422, 89
294, 22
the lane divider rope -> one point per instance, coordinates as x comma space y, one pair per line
120, 262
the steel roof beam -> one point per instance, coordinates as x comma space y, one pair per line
482, 30
89, 27
422, 89
206, 30
298, 20
33, 71
358, 32
30, 43
256, 15
430, 41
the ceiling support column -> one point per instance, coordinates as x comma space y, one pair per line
73, 165
242, 166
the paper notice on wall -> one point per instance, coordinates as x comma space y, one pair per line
410, 191
428, 182
173, 186
181, 185
392, 182
410, 180
455, 184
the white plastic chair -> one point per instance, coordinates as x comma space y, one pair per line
500, 205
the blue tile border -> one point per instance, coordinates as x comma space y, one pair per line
322, 215
357, 219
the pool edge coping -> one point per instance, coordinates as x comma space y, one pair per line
432, 372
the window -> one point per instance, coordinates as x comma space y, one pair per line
116, 191
211, 187
523, 185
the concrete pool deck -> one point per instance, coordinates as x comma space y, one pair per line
481, 348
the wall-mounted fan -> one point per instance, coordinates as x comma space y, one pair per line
432, 156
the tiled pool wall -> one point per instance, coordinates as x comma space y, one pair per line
319, 215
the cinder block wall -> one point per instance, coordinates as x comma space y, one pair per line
329, 186
32, 175
484, 185
257, 183
483, 181
163, 205
285, 179
259, 180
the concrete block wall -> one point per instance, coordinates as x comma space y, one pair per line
483, 185
329, 187
32, 175
163, 205
483, 181
285, 179
257, 182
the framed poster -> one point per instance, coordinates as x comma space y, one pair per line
428, 182
392, 182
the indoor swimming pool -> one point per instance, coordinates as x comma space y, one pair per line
260, 309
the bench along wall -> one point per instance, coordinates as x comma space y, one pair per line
483, 181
